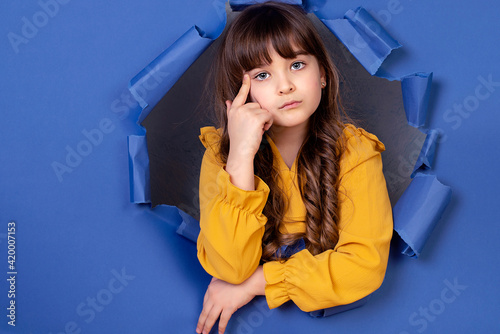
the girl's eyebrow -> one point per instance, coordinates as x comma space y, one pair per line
300, 53
258, 67
296, 53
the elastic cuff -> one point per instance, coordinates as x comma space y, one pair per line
276, 291
247, 200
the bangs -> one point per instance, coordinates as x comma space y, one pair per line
287, 35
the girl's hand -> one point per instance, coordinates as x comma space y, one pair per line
247, 122
246, 125
223, 299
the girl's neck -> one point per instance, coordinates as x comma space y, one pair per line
288, 140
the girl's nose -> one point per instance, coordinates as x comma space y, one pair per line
285, 86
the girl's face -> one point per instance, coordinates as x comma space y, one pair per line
290, 89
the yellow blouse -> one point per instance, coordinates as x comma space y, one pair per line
232, 226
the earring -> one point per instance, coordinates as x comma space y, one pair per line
323, 84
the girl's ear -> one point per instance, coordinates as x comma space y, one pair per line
323, 75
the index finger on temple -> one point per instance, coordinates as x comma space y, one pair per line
241, 98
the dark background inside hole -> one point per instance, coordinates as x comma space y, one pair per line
173, 126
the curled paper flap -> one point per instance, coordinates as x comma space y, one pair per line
239, 5
138, 169
365, 38
418, 210
168, 213
189, 227
426, 157
154, 81
416, 90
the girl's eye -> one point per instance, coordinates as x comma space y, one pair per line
262, 76
298, 65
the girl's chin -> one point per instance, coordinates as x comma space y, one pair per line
280, 126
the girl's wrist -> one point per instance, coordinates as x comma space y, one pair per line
241, 155
241, 172
258, 282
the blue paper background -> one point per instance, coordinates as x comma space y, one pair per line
76, 235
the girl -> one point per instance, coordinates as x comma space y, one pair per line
294, 205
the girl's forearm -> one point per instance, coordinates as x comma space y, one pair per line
240, 169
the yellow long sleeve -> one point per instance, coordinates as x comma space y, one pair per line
231, 219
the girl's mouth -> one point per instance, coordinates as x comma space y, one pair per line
290, 105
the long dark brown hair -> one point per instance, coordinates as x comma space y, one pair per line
245, 45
